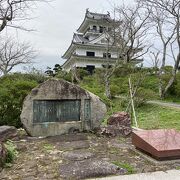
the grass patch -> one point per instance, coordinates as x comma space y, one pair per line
126, 166
150, 116
113, 150
12, 153
122, 139
155, 117
48, 147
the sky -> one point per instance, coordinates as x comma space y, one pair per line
54, 25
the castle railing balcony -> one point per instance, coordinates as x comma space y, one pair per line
93, 31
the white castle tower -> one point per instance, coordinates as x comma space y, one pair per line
88, 48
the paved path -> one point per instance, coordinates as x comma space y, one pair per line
174, 105
159, 175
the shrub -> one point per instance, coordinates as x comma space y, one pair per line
92, 84
13, 89
146, 94
141, 97
64, 75
37, 77
168, 69
175, 89
124, 70
119, 86
151, 82
115, 90
82, 73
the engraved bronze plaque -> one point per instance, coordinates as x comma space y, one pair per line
56, 110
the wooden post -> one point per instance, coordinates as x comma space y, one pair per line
132, 102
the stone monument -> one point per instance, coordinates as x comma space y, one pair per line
58, 107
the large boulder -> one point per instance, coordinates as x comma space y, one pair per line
7, 132
89, 169
58, 107
77, 155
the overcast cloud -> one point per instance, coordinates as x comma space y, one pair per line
55, 24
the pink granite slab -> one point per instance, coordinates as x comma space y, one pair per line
162, 143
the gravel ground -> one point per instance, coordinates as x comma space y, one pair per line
49, 158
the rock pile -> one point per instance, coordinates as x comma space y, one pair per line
7, 132
118, 124
120, 119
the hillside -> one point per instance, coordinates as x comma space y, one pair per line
15, 87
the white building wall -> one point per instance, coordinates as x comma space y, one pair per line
98, 53
86, 63
92, 37
82, 63
114, 54
80, 52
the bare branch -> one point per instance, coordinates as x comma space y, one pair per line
128, 40
15, 10
165, 16
13, 53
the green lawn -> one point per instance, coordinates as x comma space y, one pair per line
150, 116
154, 117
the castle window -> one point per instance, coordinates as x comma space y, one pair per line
95, 28
105, 55
90, 69
109, 29
90, 54
101, 29
107, 66
86, 37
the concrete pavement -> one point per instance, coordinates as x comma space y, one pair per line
159, 175
167, 104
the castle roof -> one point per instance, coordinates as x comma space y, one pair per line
79, 38
97, 17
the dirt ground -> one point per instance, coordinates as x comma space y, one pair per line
78, 156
